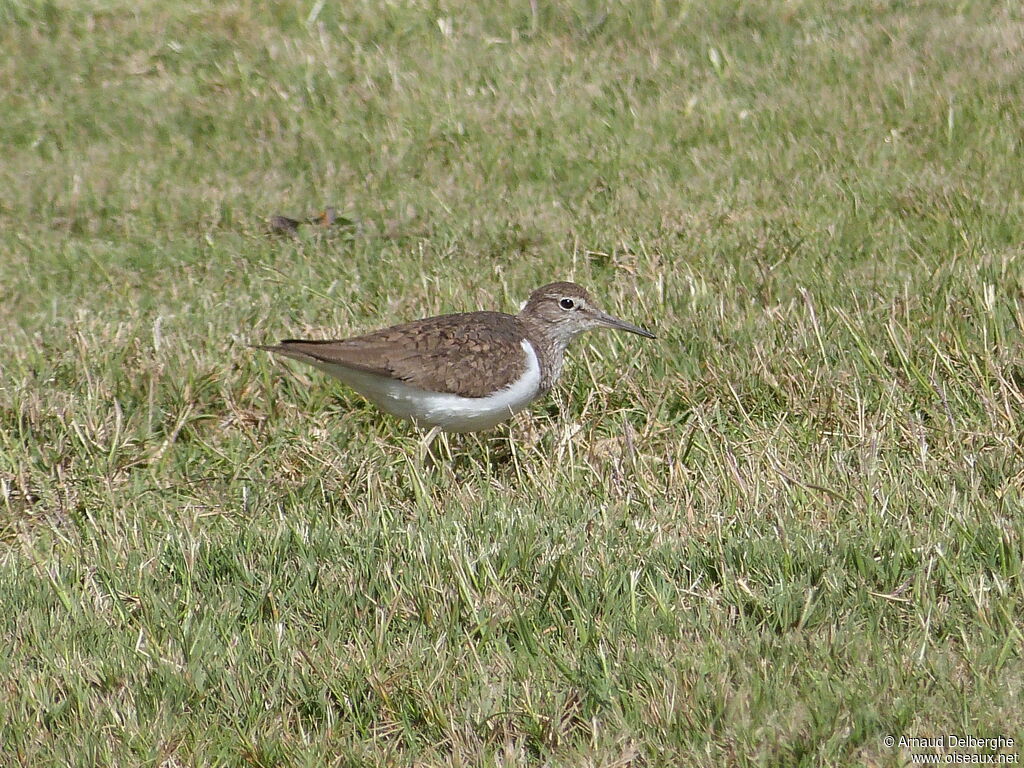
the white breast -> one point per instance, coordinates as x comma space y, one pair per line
452, 413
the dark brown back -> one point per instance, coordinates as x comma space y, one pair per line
471, 354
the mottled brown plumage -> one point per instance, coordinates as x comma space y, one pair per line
466, 371
284, 225
470, 354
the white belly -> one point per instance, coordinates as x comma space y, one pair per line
452, 413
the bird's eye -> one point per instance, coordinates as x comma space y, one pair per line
567, 303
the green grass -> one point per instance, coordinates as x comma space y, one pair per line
787, 528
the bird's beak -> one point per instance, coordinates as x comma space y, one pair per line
610, 321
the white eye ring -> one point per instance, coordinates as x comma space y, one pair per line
567, 303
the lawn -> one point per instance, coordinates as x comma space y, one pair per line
785, 530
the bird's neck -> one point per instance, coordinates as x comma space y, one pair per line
550, 348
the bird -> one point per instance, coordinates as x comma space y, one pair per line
328, 217
284, 225
464, 372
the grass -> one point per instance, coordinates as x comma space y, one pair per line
788, 528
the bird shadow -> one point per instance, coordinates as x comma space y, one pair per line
462, 455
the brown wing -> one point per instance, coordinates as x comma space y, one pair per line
471, 354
